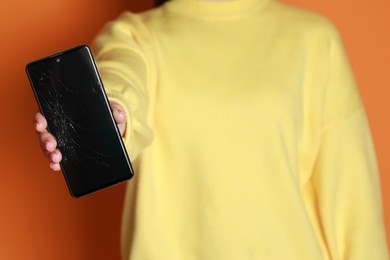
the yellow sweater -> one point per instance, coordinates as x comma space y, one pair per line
247, 132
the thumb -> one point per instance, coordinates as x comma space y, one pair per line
119, 116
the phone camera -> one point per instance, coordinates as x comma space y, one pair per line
58, 60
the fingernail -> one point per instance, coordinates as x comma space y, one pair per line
37, 126
47, 145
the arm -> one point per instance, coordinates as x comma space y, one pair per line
119, 52
124, 71
346, 177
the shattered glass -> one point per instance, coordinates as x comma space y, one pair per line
72, 100
63, 119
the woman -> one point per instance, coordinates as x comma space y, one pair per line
248, 134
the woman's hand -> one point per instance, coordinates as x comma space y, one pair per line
49, 144
119, 116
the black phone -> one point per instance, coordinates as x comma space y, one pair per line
71, 96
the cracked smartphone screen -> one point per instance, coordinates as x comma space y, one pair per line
71, 97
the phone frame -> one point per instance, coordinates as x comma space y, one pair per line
107, 104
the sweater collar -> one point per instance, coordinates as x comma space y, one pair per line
213, 9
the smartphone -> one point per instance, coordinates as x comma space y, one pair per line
70, 95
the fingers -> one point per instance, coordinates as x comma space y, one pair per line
49, 145
55, 157
47, 142
55, 166
40, 123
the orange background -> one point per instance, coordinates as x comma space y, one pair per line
38, 218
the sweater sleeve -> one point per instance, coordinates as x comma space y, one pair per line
345, 176
119, 52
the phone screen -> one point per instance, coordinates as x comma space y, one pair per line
71, 97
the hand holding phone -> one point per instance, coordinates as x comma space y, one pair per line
76, 117
49, 144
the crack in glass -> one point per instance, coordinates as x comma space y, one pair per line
62, 125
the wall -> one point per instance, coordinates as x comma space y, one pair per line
38, 218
